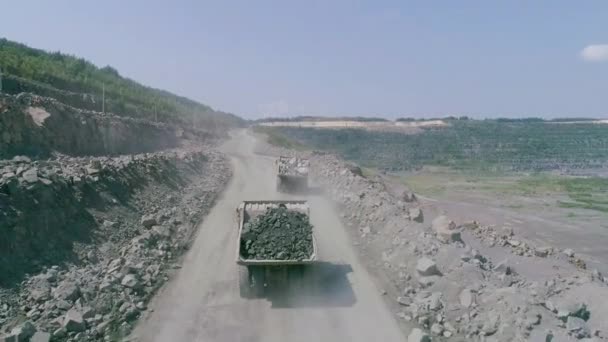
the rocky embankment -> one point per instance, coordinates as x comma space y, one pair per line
86, 240
463, 281
113, 226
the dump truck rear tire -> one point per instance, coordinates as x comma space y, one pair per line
257, 279
296, 279
279, 184
245, 289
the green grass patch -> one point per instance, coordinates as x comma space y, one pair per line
589, 193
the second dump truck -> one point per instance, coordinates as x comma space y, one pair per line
292, 174
258, 276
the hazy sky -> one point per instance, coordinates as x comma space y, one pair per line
334, 57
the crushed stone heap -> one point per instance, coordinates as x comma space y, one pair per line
293, 166
278, 234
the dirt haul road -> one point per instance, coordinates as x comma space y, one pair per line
202, 302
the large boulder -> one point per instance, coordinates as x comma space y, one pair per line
41, 336
21, 333
427, 267
31, 175
446, 230
41, 292
73, 321
67, 291
148, 221
577, 327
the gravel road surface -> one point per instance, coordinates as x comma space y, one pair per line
202, 301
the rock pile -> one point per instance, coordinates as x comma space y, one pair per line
107, 287
293, 166
449, 289
277, 234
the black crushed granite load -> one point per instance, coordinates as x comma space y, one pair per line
278, 234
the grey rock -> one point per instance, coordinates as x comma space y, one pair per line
67, 291
40, 336
131, 313
550, 306
41, 293
490, 324
21, 333
45, 181
542, 251
514, 243
130, 281
63, 305
575, 309
404, 300
426, 267
436, 329
105, 285
434, 302
140, 305
93, 168
503, 268
427, 281
60, 332
577, 327
446, 230
87, 312
92, 256
418, 335
115, 264
416, 215
148, 221
467, 298
532, 319
73, 321
162, 231
409, 197
21, 159
31, 175
110, 224
569, 252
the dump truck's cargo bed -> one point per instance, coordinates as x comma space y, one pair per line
249, 210
293, 166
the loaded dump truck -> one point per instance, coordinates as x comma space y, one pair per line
274, 243
292, 174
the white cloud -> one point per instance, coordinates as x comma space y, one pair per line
595, 53
274, 108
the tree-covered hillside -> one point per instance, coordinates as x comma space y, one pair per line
80, 83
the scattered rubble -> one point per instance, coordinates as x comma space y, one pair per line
110, 281
449, 290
